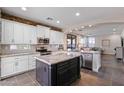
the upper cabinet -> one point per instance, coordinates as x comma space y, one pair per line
43, 32
33, 35
7, 32
18, 33
122, 34
26, 31
56, 37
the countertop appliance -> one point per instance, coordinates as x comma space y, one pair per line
87, 60
41, 40
43, 51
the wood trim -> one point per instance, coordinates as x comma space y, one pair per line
25, 21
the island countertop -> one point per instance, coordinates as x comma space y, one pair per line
57, 58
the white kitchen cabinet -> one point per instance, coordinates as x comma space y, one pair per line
56, 37
7, 66
7, 32
32, 61
2, 31
61, 36
47, 33
21, 64
52, 37
13, 65
43, 32
40, 31
18, 33
26, 39
33, 35
122, 34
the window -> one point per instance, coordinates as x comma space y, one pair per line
87, 41
91, 41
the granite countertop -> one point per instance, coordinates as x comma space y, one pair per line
59, 57
17, 54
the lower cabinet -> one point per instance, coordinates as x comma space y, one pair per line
7, 66
32, 61
17, 64
63, 73
21, 64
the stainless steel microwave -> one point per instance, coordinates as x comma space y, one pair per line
41, 40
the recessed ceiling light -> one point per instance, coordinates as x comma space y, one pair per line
24, 8
114, 29
82, 26
77, 14
75, 29
90, 25
58, 21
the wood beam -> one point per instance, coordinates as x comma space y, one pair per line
25, 21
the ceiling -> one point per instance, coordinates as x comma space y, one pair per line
102, 19
66, 15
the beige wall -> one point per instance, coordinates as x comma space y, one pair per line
115, 41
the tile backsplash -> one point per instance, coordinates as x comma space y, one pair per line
7, 48
4, 49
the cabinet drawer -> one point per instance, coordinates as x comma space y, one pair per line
87, 56
6, 59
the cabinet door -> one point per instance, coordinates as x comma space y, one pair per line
18, 33
33, 35
7, 67
40, 32
47, 33
26, 32
32, 61
2, 31
61, 35
21, 64
8, 32
52, 37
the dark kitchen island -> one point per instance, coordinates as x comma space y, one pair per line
59, 69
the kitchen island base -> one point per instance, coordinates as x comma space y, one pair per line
59, 74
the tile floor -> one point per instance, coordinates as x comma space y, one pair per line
111, 73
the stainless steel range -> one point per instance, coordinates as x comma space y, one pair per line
43, 51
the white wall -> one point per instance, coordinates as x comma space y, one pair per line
115, 41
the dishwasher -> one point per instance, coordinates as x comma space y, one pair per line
87, 60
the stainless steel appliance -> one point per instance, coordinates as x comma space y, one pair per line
87, 60
46, 40
43, 51
41, 40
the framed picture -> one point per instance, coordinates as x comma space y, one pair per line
106, 43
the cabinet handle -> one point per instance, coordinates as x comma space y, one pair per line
16, 64
12, 40
30, 41
16, 58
